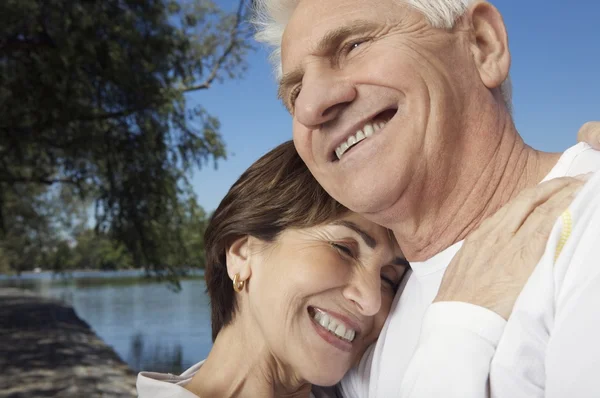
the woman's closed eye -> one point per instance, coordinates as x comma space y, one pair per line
389, 281
343, 248
391, 278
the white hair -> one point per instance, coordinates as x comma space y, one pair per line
272, 16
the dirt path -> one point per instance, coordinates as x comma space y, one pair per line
46, 350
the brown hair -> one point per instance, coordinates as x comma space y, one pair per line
277, 192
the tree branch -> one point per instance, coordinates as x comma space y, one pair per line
38, 180
14, 44
221, 60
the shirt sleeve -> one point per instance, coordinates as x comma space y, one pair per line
573, 356
572, 362
452, 359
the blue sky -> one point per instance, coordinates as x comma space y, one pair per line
555, 48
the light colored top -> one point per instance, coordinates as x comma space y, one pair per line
167, 385
549, 347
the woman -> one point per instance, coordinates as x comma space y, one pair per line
299, 286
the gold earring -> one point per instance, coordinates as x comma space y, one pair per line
238, 285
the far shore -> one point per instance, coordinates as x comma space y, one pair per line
67, 273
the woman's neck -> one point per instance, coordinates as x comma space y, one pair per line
240, 365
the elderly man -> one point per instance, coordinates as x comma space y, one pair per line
401, 110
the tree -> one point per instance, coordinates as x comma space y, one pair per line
93, 251
92, 97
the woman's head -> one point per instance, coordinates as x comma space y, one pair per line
312, 268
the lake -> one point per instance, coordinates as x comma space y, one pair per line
148, 324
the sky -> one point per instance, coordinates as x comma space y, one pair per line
555, 47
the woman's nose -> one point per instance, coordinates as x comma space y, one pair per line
365, 291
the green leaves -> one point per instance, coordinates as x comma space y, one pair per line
92, 96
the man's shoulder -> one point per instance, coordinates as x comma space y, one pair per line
579, 159
577, 239
586, 207
576, 225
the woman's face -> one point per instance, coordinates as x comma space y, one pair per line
320, 295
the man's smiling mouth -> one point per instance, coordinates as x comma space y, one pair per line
370, 128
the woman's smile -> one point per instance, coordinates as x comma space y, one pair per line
333, 328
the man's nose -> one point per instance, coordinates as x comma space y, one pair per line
324, 94
365, 291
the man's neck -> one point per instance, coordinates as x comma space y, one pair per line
447, 210
239, 365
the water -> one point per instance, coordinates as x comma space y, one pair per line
148, 324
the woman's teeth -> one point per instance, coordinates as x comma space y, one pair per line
368, 130
334, 326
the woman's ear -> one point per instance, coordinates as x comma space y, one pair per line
238, 259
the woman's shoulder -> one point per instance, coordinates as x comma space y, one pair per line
166, 385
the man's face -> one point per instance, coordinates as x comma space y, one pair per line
378, 97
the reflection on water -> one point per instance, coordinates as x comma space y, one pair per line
159, 358
149, 325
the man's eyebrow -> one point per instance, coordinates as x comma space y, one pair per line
326, 46
372, 243
332, 39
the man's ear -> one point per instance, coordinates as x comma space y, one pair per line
238, 259
489, 44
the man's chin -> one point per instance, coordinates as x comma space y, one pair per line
366, 204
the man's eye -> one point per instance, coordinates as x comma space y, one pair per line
353, 45
294, 94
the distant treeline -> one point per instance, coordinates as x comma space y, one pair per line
86, 248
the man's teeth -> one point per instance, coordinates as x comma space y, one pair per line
365, 132
334, 326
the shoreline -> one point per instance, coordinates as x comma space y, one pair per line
93, 274
46, 350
